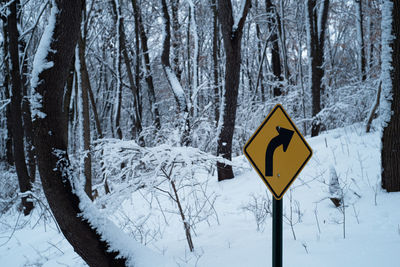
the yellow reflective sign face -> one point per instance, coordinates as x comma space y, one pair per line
277, 151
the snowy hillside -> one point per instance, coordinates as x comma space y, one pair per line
366, 233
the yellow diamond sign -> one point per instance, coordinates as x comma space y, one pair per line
277, 151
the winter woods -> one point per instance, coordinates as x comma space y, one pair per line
147, 78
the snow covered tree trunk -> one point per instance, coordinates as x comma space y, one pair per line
316, 24
391, 95
282, 38
119, 20
148, 72
260, 55
176, 38
215, 61
26, 114
369, 46
16, 114
67, 99
275, 57
179, 93
49, 74
83, 109
232, 31
94, 109
360, 37
118, 102
6, 82
138, 104
193, 29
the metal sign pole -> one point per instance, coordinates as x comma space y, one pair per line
277, 244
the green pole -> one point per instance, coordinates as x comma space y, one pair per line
277, 243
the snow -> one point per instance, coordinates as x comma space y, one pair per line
386, 57
319, 19
176, 86
80, 111
4, 103
36, 106
372, 217
239, 16
137, 255
40, 62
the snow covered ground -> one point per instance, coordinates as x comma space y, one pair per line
369, 237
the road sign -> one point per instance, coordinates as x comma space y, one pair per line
277, 151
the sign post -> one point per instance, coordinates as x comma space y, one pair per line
278, 152
277, 232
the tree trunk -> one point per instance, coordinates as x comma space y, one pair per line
215, 62
16, 114
275, 57
119, 20
27, 119
118, 106
52, 150
316, 54
176, 38
390, 138
6, 82
67, 99
280, 18
139, 109
360, 32
176, 87
148, 74
84, 82
232, 37
95, 113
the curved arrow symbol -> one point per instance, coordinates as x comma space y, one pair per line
283, 138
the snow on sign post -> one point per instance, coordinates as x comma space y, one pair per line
278, 152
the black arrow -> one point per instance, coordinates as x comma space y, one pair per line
283, 138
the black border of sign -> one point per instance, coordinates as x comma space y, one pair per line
278, 197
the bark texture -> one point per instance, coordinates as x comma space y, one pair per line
390, 139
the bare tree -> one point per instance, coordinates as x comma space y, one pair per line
179, 93
83, 111
275, 52
119, 21
16, 114
58, 48
6, 82
232, 31
316, 25
360, 33
215, 61
148, 73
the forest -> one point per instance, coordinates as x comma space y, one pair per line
123, 124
